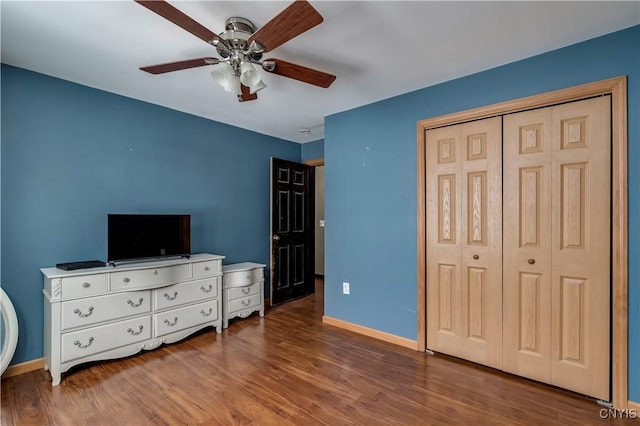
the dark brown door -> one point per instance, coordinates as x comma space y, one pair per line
292, 231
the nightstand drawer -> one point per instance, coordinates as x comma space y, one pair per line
243, 278
235, 292
244, 303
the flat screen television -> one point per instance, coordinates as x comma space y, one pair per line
140, 236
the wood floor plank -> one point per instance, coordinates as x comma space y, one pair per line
288, 368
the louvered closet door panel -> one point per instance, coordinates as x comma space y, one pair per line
481, 241
527, 244
581, 246
444, 303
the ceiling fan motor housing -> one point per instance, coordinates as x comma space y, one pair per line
238, 31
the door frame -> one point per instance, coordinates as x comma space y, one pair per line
316, 162
617, 88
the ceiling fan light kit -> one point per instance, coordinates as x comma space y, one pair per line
241, 47
224, 77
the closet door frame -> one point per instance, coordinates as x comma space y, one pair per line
617, 88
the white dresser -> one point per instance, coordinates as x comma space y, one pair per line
243, 291
111, 312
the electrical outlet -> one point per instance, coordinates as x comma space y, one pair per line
345, 288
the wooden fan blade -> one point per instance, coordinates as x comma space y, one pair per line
179, 65
172, 14
246, 94
297, 18
300, 73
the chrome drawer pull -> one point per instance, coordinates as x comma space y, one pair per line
175, 294
246, 290
206, 314
245, 302
133, 304
81, 315
171, 324
206, 290
126, 280
81, 346
155, 272
135, 333
86, 285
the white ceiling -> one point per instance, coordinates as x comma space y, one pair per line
376, 49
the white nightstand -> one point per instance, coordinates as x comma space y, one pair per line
243, 290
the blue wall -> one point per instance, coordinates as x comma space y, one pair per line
370, 155
72, 154
312, 150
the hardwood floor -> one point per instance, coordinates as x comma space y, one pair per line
287, 369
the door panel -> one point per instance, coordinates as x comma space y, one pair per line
527, 244
444, 300
557, 245
581, 252
464, 282
481, 242
292, 231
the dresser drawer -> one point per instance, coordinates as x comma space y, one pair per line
179, 294
152, 277
83, 285
85, 312
182, 318
242, 278
209, 268
235, 292
244, 303
98, 339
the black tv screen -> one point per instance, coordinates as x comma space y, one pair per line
139, 236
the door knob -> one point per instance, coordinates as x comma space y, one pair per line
476, 257
531, 261
276, 237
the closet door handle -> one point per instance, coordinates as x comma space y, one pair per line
476, 257
531, 261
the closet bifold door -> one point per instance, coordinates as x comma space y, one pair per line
527, 244
557, 245
464, 240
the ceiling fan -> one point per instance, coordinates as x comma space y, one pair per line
241, 46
